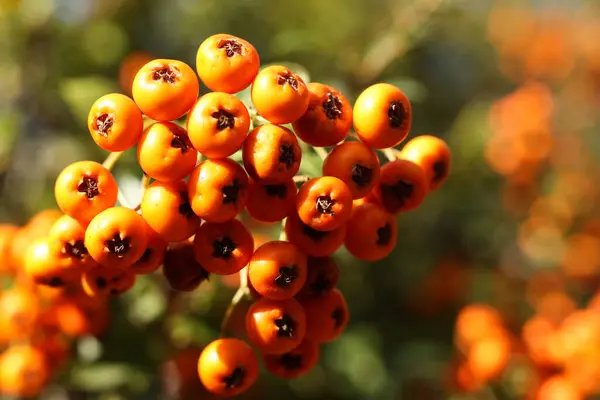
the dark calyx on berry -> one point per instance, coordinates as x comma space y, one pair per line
185, 209
231, 192
384, 235
361, 175
89, 186
101, 283
439, 170
313, 233
104, 123
77, 249
289, 78
286, 155
231, 47
166, 73
401, 192
119, 246
325, 204
332, 106
321, 284
181, 142
286, 326
223, 248
54, 282
224, 119
286, 276
338, 315
236, 379
291, 362
396, 113
146, 256
276, 190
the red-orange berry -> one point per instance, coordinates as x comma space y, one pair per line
271, 202
401, 187
180, 268
326, 316
324, 203
106, 281
372, 232
223, 248
115, 122
153, 257
294, 363
70, 235
323, 275
311, 241
432, 154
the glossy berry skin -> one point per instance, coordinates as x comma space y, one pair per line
328, 118
432, 154
115, 122
324, 203
402, 186
295, 363
223, 248
382, 116
271, 202
167, 210
311, 241
181, 270
276, 327
277, 270
46, 265
104, 281
279, 95
165, 152
271, 153
84, 189
372, 232
153, 256
326, 316
356, 164
165, 89
226, 63
117, 237
218, 190
323, 275
69, 235
228, 367
218, 124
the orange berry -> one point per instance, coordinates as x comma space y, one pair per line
226, 63
432, 154
279, 95
130, 65
218, 190
70, 235
323, 275
20, 310
23, 371
371, 233
105, 281
294, 363
181, 269
117, 237
45, 264
382, 116
271, 202
167, 210
558, 387
324, 203
326, 316
328, 118
84, 189
165, 89
401, 187
311, 241
228, 367
165, 152
218, 124
276, 327
277, 270
153, 256
115, 122
488, 357
7, 234
223, 248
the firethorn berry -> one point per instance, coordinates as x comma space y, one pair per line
153, 257
276, 327
323, 275
324, 203
165, 152
130, 65
70, 235
279, 95
106, 281
45, 263
277, 270
326, 316
117, 237
271, 202
271, 153
115, 122
311, 241
166, 208
223, 248
23, 371
402, 186
372, 232
7, 233
227, 63
328, 118
382, 116
181, 269
218, 124
20, 311
165, 89
432, 155
295, 363
84, 189
228, 367
218, 190
356, 164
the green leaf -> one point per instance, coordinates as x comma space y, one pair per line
310, 165
102, 377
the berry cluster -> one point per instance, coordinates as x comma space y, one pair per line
195, 190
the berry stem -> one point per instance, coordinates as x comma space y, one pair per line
145, 183
239, 295
282, 235
391, 154
321, 152
301, 178
112, 159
